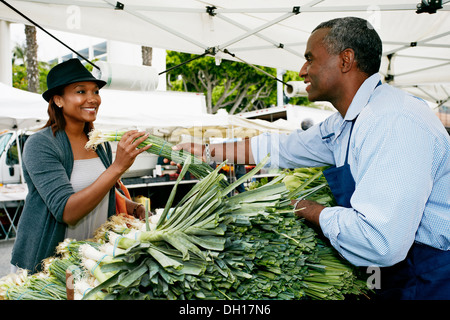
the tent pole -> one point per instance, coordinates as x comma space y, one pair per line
280, 91
422, 69
275, 43
422, 43
163, 27
393, 7
256, 30
5, 53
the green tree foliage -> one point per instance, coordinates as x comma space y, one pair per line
230, 85
19, 70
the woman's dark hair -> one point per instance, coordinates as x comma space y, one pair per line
56, 118
358, 35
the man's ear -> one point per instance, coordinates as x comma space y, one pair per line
347, 60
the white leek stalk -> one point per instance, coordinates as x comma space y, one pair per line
12, 280
83, 286
109, 249
119, 241
91, 253
94, 269
133, 234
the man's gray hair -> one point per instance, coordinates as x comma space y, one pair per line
357, 34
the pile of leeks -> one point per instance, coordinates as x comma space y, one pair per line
213, 246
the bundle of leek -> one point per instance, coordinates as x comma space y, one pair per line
286, 258
248, 246
213, 246
39, 286
309, 183
50, 284
160, 147
184, 244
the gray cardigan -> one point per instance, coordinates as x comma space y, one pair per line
47, 167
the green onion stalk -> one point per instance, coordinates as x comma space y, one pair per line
159, 147
38, 286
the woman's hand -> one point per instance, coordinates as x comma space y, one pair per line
126, 153
127, 149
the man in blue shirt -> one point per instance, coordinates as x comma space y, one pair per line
390, 158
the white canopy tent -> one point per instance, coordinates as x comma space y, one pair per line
175, 116
20, 109
158, 112
416, 52
172, 114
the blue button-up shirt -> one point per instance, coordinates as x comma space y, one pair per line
400, 160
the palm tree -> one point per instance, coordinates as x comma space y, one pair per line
147, 55
18, 54
31, 58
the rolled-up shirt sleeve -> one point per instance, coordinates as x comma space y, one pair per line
393, 171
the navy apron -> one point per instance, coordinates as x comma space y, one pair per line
425, 272
340, 179
423, 275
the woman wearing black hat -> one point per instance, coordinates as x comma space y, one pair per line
70, 189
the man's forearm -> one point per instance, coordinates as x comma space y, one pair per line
238, 152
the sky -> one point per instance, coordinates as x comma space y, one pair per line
49, 48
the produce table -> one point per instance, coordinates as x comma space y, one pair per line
157, 188
12, 198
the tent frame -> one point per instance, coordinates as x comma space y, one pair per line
317, 6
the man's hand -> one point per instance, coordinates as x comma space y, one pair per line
139, 213
310, 210
196, 149
237, 152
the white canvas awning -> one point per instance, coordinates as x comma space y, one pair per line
21, 109
416, 50
168, 114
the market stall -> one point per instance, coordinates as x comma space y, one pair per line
245, 246
173, 116
274, 34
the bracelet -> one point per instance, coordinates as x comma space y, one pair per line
207, 153
135, 208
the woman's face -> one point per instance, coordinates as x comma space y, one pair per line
80, 102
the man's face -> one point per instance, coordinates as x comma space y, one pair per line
321, 71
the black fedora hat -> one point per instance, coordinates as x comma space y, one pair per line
65, 73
